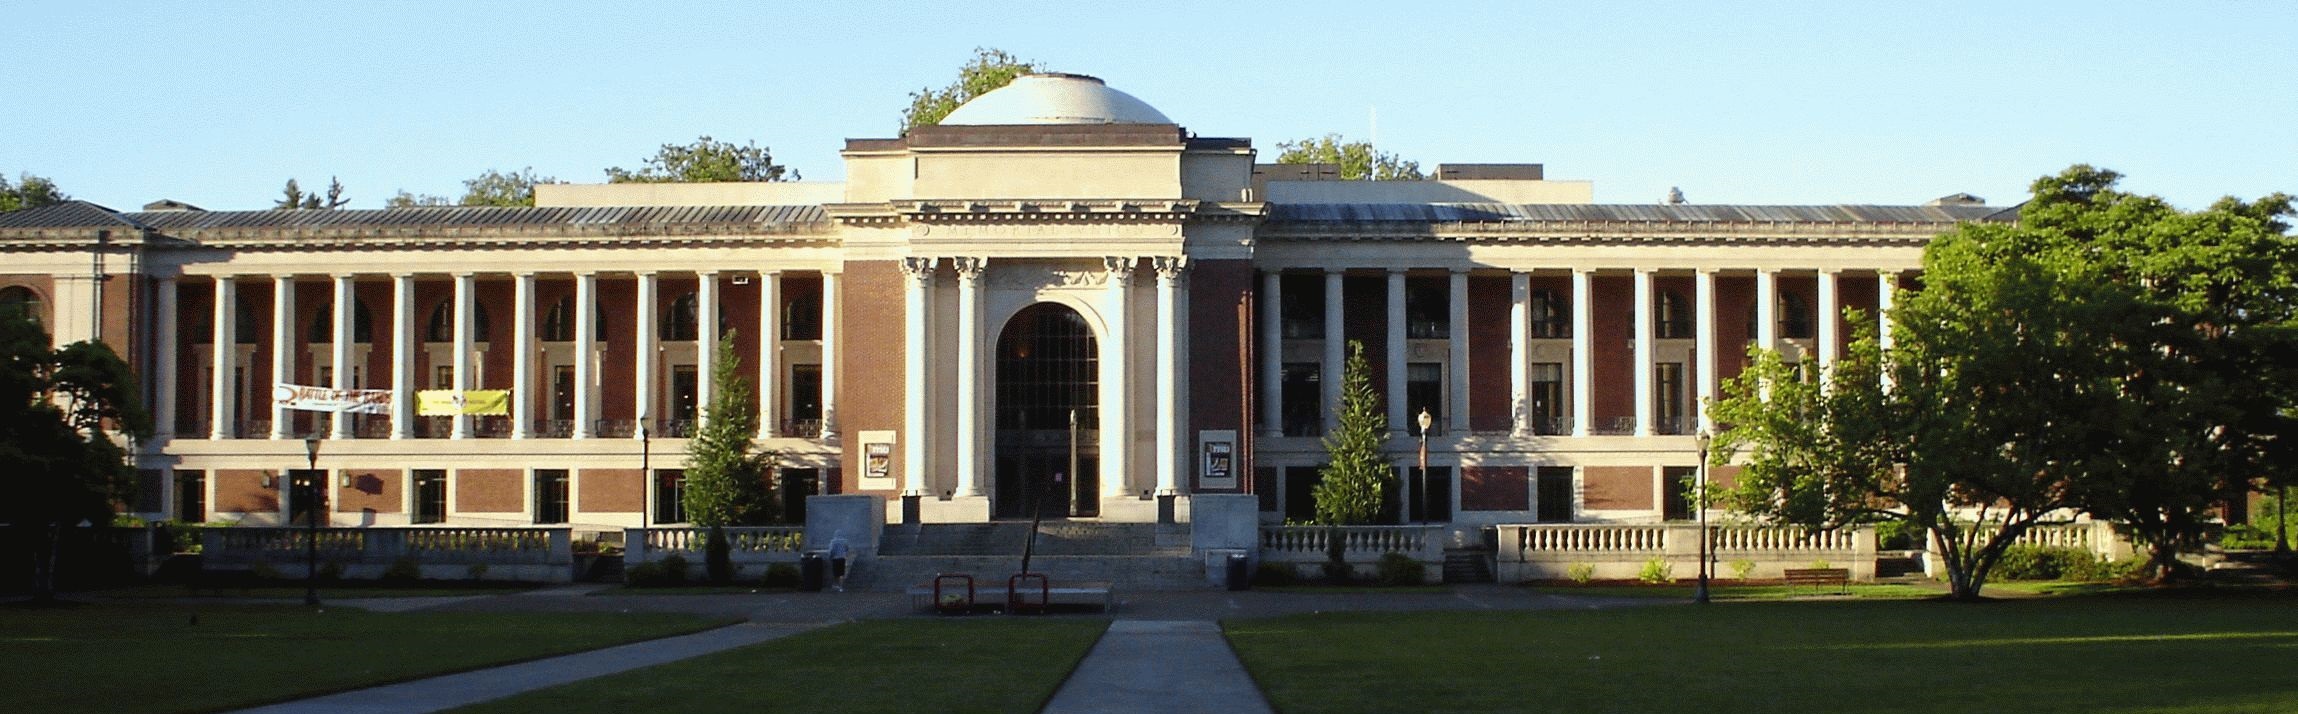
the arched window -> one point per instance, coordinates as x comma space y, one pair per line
558, 325
1551, 315
442, 327
20, 300
323, 324
1674, 318
679, 322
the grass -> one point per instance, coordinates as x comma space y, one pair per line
967, 665
2179, 651
152, 657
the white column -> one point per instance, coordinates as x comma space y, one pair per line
523, 356
1116, 388
1886, 285
769, 353
831, 353
465, 286
1272, 353
282, 349
225, 338
706, 344
1766, 317
919, 274
1169, 327
402, 355
644, 343
1583, 400
164, 362
1520, 352
1829, 314
1642, 364
1399, 413
586, 349
340, 351
1704, 350
1456, 419
1329, 374
971, 455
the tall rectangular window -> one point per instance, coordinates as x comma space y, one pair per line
801, 308
1303, 306
1548, 399
1676, 487
685, 393
1427, 308
563, 393
443, 377
1554, 490
430, 496
1424, 389
1303, 399
550, 496
670, 495
191, 496
1668, 394
805, 399
307, 491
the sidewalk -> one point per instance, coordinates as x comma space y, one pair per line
1160, 666
454, 690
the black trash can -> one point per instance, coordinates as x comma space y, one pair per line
1240, 576
813, 571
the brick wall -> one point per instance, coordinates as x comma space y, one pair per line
870, 304
1364, 318
1216, 388
242, 491
1616, 488
608, 491
1614, 381
1495, 488
490, 490
1490, 387
372, 490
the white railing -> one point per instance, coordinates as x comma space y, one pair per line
1358, 543
1586, 538
522, 553
746, 544
1733, 539
1621, 551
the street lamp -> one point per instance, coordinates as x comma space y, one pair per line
1704, 440
315, 489
1426, 420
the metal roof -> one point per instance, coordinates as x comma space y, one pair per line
1621, 213
765, 217
69, 214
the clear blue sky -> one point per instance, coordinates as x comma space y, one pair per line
1821, 102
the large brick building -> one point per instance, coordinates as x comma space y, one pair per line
925, 329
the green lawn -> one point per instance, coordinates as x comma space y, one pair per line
997, 664
2129, 652
137, 657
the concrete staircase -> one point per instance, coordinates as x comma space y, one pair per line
1131, 556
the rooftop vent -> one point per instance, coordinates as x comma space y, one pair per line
1957, 199
169, 204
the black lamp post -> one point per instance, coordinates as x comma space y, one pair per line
1704, 440
314, 489
1426, 420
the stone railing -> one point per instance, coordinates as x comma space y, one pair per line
751, 548
535, 554
1361, 546
1617, 552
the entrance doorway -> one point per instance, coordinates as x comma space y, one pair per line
1048, 399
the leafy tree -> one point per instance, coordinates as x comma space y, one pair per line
1357, 475
29, 192
403, 199
989, 70
725, 481
293, 197
705, 160
1357, 159
63, 466
493, 188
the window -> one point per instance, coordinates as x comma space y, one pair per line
442, 327
1674, 318
1431, 494
679, 323
443, 377
1047, 368
801, 309
1303, 306
1548, 399
806, 392
1551, 315
191, 496
1554, 486
1303, 396
1427, 309
1794, 317
430, 496
685, 392
558, 325
1668, 398
307, 496
669, 496
1300, 493
1424, 389
1676, 485
550, 496
20, 300
323, 324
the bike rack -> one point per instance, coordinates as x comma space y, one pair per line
1016, 604
952, 605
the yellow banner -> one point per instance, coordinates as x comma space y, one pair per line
448, 402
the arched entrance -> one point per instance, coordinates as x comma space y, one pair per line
1047, 370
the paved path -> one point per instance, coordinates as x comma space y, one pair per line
454, 690
1160, 666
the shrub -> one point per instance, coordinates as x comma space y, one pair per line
1275, 575
403, 570
1400, 569
645, 575
718, 557
330, 571
2244, 536
1897, 534
2028, 562
1581, 573
781, 575
1657, 571
477, 571
1742, 568
674, 569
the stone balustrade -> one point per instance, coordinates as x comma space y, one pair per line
534, 554
752, 549
1361, 546
1550, 552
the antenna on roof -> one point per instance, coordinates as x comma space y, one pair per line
1675, 196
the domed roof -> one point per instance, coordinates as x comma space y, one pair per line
1055, 98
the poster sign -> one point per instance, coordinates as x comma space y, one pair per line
448, 402
878, 454
322, 399
1217, 459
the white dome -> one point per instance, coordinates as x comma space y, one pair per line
1055, 98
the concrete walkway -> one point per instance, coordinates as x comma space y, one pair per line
1160, 666
454, 690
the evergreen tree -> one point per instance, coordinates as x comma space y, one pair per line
725, 481
1357, 475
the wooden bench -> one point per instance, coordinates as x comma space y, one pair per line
1817, 577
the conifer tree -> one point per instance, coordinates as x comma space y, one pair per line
1357, 476
725, 481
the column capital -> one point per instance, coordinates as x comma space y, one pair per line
1335, 270
969, 269
343, 276
465, 274
920, 269
707, 273
1120, 269
523, 274
1170, 268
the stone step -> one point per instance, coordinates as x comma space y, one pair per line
1054, 538
895, 573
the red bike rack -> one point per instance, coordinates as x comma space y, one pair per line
951, 604
1016, 603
